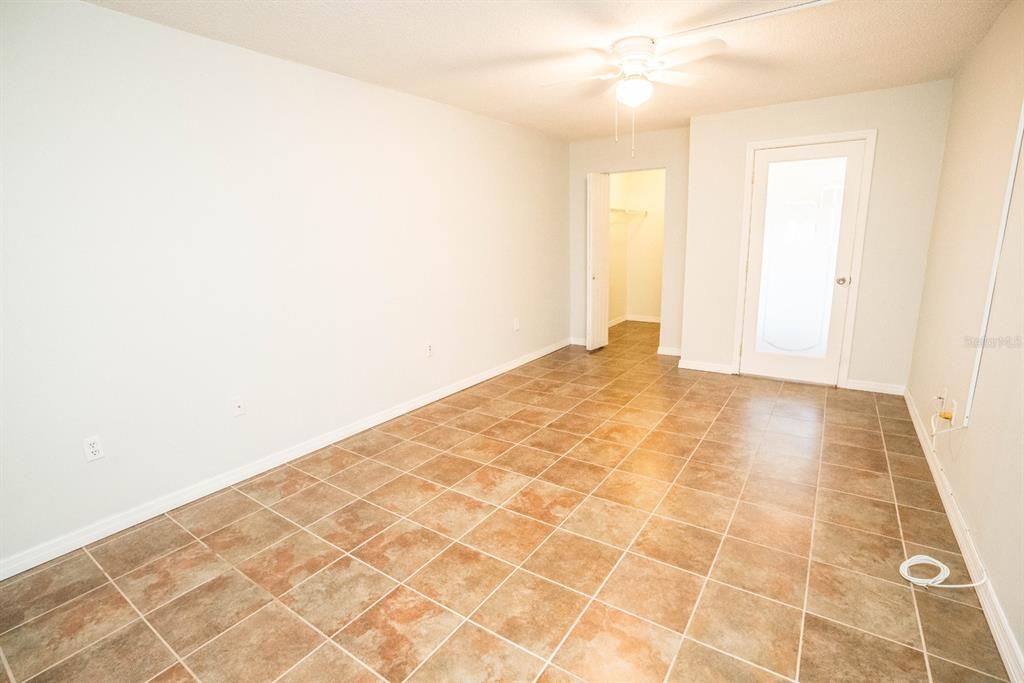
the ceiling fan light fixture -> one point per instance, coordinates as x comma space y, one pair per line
633, 91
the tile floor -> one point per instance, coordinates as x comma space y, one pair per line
598, 517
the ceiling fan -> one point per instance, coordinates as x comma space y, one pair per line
638, 65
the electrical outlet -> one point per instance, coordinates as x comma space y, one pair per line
92, 447
430, 350
237, 409
515, 324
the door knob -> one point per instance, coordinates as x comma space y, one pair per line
840, 280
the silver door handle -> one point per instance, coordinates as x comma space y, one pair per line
840, 280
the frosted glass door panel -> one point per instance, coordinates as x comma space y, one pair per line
801, 237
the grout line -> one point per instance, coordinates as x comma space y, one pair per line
6, 666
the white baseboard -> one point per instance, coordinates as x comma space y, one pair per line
722, 368
668, 351
643, 318
616, 321
877, 387
1002, 633
48, 550
578, 341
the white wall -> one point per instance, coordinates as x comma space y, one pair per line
911, 124
983, 465
642, 235
665, 149
186, 223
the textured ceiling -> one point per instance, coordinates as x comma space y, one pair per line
521, 61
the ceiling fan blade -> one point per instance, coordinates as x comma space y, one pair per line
795, 7
691, 53
611, 75
673, 78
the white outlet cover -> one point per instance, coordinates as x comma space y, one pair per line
93, 449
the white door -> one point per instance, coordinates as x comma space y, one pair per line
598, 207
802, 229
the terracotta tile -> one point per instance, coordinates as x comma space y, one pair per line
277, 484
737, 435
499, 408
774, 528
859, 482
480, 448
369, 443
50, 564
641, 418
781, 495
722, 481
846, 418
467, 400
338, 594
851, 405
406, 426
898, 427
538, 417
577, 423
133, 653
854, 437
596, 452
492, 484
789, 445
437, 412
575, 474
697, 507
861, 513
365, 477
757, 630
697, 663
854, 456
527, 461
404, 494
460, 578
206, 611
609, 645
353, 524
126, 552
326, 462
309, 505
654, 591
682, 545
656, 404
789, 468
470, 422
452, 514
878, 556
959, 633
249, 535
401, 549
442, 437
755, 568
873, 605
653, 464
472, 654
174, 674
544, 501
446, 469
695, 411
531, 612
573, 561
289, 561
213, 512
171, 575
958, 573
39, 643
948, 672
681, 424
670, 443
39, 592
832, 652
398, 633
809, 429
907, 445
909, 466
552, 440
507, 535
723, 455
510, 430
631, 489
406, 455
620, 433
799, 410
894, 409
259, 648
928, 528
597, 409
605, 521
919, 494
329, 663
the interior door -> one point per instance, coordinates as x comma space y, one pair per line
802, 229
598, 204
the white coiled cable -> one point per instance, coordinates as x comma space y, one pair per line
931, 581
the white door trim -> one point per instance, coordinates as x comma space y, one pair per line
869, 138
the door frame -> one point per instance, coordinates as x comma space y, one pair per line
869, 137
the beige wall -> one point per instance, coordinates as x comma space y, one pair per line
664, 149
188, 223
636, 245
911, 124
984, 465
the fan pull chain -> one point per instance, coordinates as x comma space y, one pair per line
616, 121
632, 132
